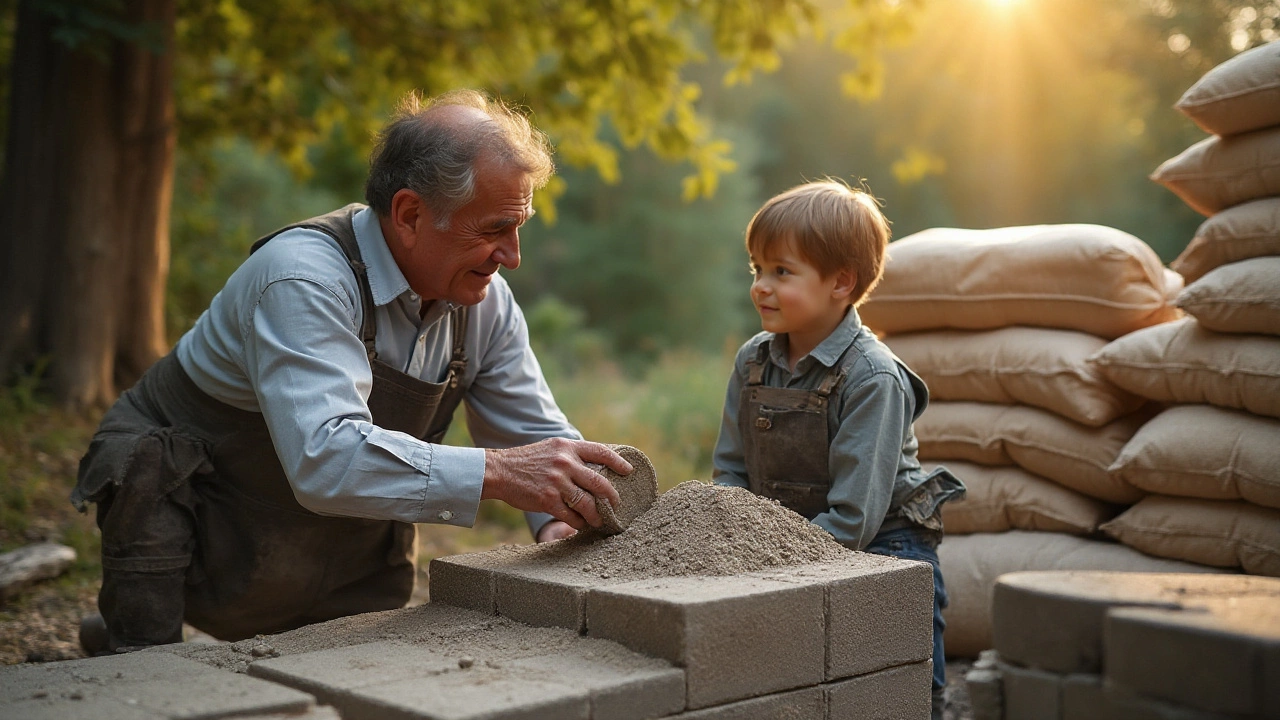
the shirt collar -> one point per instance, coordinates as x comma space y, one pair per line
828, 351
386, 282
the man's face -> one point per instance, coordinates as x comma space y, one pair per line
457, 264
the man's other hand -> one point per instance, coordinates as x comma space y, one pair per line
555, 530
552, 476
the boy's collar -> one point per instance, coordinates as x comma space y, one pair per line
829, 350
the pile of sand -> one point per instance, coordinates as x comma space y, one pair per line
701, 529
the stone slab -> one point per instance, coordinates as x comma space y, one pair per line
897, 693
1224, 658
879, 611
618, 691
368, 679
98, 708
1030, 694
473, 694
1053, 620
142, 684
736, 636
327, 673
803, 704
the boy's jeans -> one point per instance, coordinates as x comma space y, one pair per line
918, 543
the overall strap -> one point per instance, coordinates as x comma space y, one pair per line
339, 225
838, 371
458, 360
755, 366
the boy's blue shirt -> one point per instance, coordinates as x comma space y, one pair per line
873, 447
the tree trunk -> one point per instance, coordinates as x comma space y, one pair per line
84, 205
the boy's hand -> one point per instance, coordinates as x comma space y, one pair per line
552, 476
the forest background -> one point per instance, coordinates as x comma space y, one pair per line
969, 113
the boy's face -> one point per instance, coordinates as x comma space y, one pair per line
792, 296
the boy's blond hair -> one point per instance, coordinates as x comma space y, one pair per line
834, 227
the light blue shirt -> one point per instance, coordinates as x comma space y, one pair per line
282, 339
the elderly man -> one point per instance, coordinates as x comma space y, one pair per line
267, 473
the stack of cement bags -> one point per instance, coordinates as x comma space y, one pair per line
1211, 460
1001, 325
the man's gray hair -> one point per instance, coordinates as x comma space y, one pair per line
436, 157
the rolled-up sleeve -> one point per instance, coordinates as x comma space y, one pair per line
863, 458
312, 379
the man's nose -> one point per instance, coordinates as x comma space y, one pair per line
507, 253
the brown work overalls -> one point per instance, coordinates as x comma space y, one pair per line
199, 521
786, 440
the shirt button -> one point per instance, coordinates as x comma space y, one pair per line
421, 339
445, 515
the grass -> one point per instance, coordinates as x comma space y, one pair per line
40, 449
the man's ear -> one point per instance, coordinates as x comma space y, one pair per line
407, 211
845, 280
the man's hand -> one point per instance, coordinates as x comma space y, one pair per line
555, 530
552, 476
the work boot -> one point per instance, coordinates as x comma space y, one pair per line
94, 638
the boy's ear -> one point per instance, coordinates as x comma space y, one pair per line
845, 280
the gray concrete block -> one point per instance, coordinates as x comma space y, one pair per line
21, 682
879, 610
473, 694
462, 580
100, 708
1083, 698
144, 684
214, 695
327, 673
544, 597
1053, 620
804, 704
320, 712
1223, 659
736, 636
1030, 694
986, 693
620, 689
1124, 704
898, 693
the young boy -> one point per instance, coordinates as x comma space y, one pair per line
819, 413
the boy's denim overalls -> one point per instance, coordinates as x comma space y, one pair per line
786, 441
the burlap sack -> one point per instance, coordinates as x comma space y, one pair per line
1240, 95
1038, 441
1184, 363
1042, 367
971, 564
1009, 498
1219, 172
1090, 278
1237, 233
1221, 533
1242, 297
1205, 452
